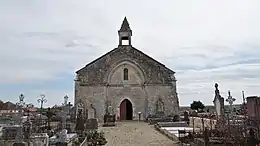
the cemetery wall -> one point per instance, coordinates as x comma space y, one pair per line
198, 122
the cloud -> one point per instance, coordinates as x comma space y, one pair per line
203, 41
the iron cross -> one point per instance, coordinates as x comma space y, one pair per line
230, 100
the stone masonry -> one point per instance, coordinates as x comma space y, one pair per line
102, 81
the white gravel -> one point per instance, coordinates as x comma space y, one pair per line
135, 133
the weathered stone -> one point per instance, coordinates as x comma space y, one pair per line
147, 82
91, 124
109, 120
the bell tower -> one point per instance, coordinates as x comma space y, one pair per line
125, 34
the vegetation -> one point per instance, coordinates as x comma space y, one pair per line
95, 138
196, 105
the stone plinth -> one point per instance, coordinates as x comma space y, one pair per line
109, 120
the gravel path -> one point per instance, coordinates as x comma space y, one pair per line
135, 134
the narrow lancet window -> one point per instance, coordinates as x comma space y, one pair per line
125, 74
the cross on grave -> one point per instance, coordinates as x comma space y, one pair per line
230, 100
20, 105
66, 100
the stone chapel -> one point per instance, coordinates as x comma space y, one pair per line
126, 82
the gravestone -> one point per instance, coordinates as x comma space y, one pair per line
49, 115
218, 102
219, 106
109, 118
27, 129
10, 132
91, 113
79, 123
62, 135
252, 141
91, 124
186, 117
195, 113
206, 137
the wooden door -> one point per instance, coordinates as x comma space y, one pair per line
123, 110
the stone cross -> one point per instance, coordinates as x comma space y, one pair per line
19, 137
66, 100
230, 100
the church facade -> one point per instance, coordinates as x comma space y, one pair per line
126, 82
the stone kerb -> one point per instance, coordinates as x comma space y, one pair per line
166, 133
208, 123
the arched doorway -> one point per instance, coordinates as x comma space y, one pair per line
126, 110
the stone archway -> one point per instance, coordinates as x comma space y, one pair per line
126, 110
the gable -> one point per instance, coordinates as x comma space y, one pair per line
97, 70
110, 52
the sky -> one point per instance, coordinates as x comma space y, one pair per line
43, 43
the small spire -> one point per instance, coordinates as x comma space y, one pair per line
125, 26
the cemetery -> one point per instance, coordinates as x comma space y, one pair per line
50, 127
214, 129
71, 126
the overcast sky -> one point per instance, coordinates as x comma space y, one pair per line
44, 42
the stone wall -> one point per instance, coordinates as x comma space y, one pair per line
198, 122
97, 72
137, 95
94, 95
168, 96
148, 81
